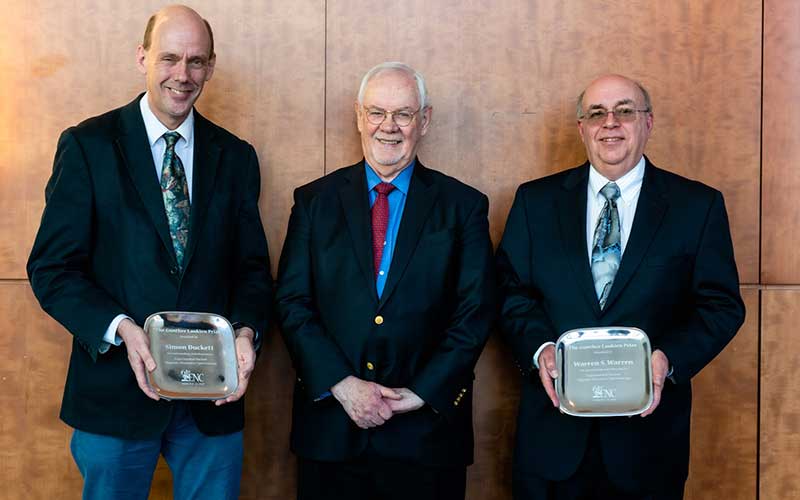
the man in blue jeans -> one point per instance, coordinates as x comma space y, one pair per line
152, 207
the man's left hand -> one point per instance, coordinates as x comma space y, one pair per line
408, 402
660, 365
246, 359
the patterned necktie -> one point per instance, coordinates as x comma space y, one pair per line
175, 191
380, 219
607, 249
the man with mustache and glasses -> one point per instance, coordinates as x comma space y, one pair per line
614, 242
385, 296
152, 207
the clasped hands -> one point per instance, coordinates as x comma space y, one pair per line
369, 404
141, 360
548, 372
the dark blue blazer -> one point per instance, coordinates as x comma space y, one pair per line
677, 281
435, 314
103, 249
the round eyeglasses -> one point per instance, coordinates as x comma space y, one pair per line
402, 117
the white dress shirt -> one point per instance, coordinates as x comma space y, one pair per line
630, 185
184, 148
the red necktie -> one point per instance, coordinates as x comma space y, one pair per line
380, 219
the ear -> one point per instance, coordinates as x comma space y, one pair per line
427, 113
358, 110
211, 63
141, 54
580, 131
649, 122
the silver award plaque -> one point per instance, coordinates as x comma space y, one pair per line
604, 372
194, 353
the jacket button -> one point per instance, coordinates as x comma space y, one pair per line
370, 366
173, 270
379, 320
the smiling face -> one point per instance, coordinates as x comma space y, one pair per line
387, 147
176, 65
614, 147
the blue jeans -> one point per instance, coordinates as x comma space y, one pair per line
203, 467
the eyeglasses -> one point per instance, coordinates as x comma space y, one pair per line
598, 116
402, 117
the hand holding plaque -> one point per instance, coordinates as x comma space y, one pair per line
244, 340
194, 353
137, 345
604, 372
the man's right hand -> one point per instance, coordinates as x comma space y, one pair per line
548, 372
138, 346
363, 401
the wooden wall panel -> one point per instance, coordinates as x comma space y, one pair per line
780, 409
781, 143
504, 77
725, 417
35, 461
495, 419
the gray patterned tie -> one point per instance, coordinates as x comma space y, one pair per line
175, 191
607, 249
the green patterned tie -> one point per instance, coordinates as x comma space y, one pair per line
175, 191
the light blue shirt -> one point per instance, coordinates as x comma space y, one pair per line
397, 203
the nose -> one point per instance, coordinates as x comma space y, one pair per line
388, 124
181, 71
614, 121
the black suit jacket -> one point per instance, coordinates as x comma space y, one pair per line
436, 311
103, 249
677, 281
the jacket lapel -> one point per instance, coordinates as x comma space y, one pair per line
355, 206
571, 209
134, 148
650, 211
422, 193
206, 159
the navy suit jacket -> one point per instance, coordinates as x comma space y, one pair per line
677, 281
435, 314
103, 249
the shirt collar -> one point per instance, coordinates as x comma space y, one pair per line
400, 183
155, 129
628, 184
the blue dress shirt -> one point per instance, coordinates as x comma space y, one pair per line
397, 202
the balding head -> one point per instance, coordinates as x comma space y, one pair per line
176, 11
177, 58
644, 93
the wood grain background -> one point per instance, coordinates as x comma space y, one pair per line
503, 76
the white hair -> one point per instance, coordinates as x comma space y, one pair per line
422, 90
